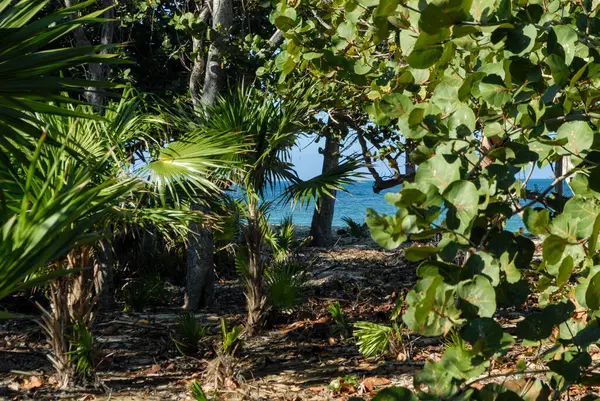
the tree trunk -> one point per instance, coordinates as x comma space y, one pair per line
97, 71
200, 267
409, 166
320, 228
199, 65
255, 295
222, 12
103, 275
200, 277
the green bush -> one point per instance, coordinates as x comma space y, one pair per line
341, 326
140, 294
286, 284
356, 229
188, 334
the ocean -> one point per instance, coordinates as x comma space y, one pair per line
360, 197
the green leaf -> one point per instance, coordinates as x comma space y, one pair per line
387, 231
520, 41
428, 49
417, 253
362, 68
567, 38
584, 211
347, 30
463, 199
385, 8
396, 105
554, 247
478, 296
286, 19
445, 95
593, 242
440, 14
482, 10
395, 394
564, 271
463, 364
439, 171
539, 326
493, 129
579, 135
487, 335
592, 294
462, 122
311, 55
536, 220
437, 379
493, 91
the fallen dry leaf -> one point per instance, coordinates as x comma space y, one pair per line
371, 382
316, 389
31, 383
155, 369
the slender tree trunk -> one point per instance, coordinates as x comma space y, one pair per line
320, 229
409, 166
103, 275
200, 277
97, 71
222, 11
257, 301
199, 65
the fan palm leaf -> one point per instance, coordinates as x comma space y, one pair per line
29, 75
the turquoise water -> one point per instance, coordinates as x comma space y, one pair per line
361, 197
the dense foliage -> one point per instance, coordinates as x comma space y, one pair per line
485, 90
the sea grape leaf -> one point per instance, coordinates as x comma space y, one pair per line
463, 199
578, 134
477, 296
439, 171
395, 394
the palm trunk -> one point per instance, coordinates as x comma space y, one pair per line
255, 295
320, 229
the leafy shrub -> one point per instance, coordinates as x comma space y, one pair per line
341, 326
285, 284
232, 342
348, 383
140, 294
356, 229
188, 334
84, 351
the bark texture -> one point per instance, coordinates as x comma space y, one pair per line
200, 276
97, 71
255, 293
103, 275
320, 228
222, 18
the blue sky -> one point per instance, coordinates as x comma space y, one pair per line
309, 162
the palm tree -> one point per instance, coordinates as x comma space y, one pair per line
266, 130
66, 174
30, 83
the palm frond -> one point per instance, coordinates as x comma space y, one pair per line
29, 75
372, 339
305, 192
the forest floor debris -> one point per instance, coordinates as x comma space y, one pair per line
296, 358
